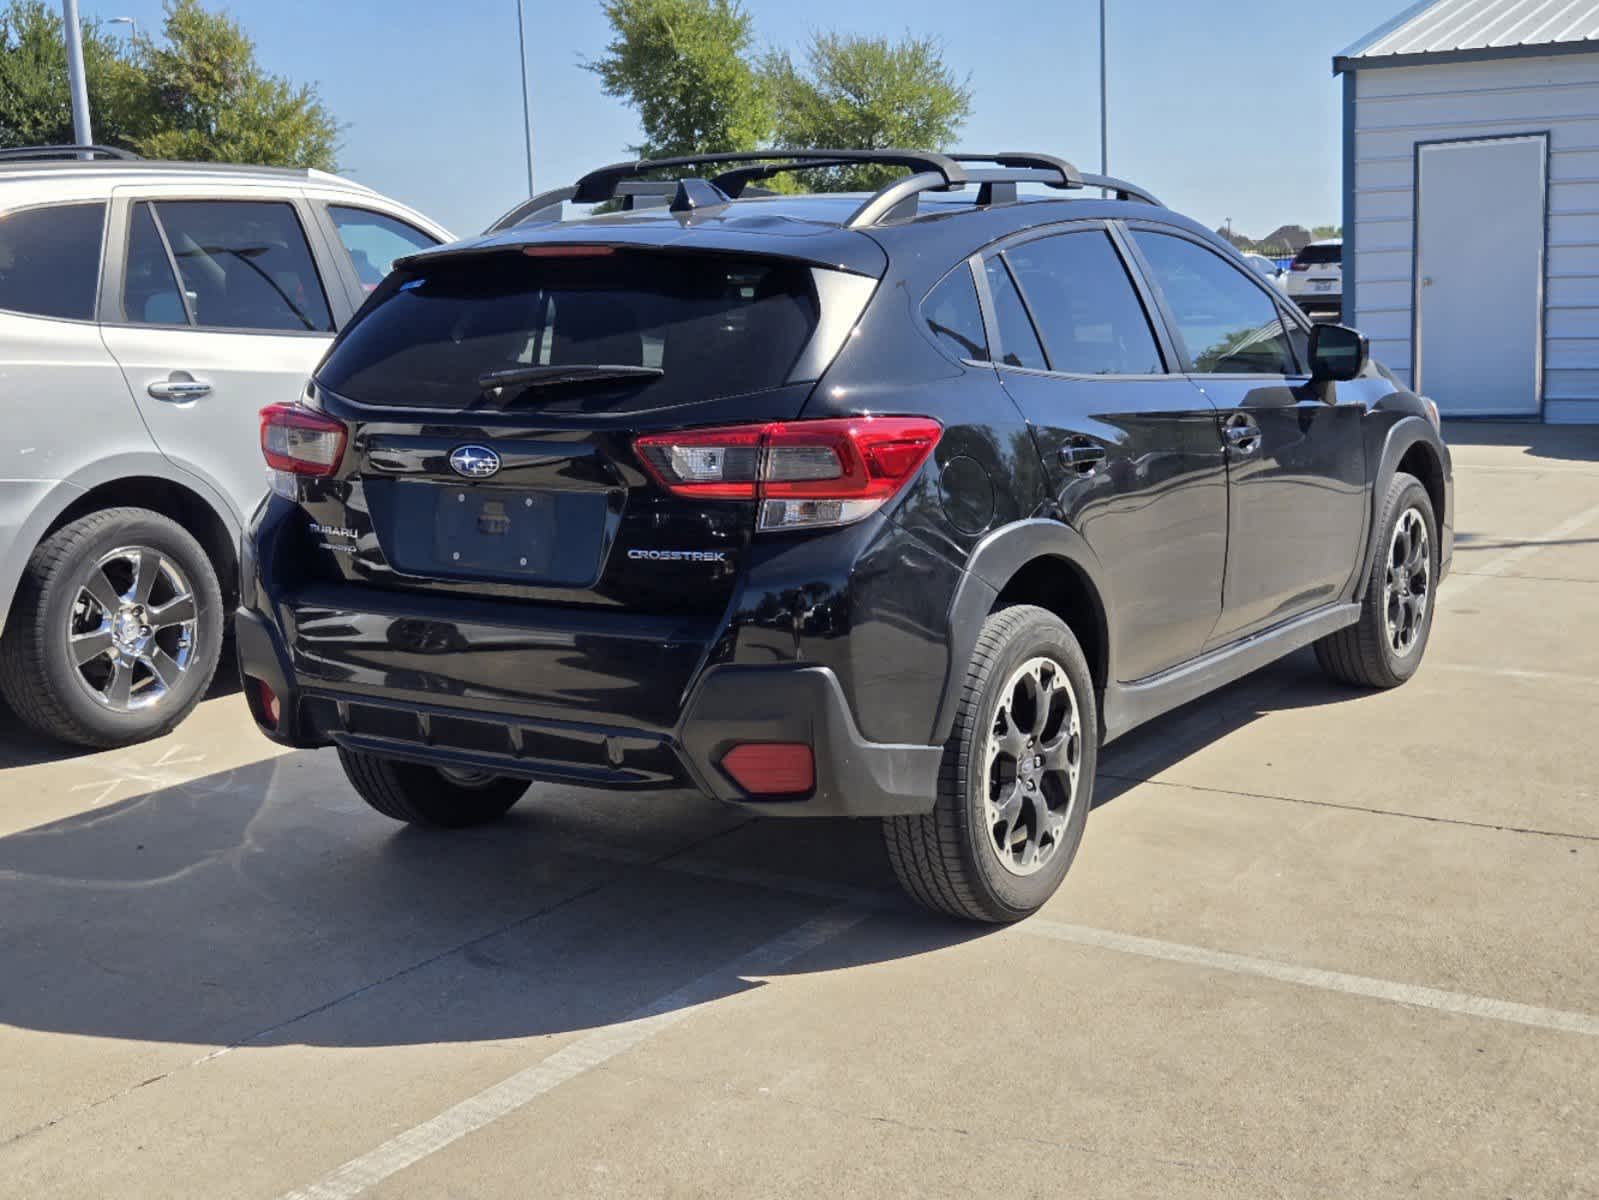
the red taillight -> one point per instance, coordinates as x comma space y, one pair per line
804, 473
1299, 266
301, 440
771, 768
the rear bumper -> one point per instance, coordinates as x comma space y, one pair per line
726, 706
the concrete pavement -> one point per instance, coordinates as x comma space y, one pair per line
1317, 942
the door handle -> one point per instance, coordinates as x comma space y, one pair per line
179, 389
1081, 455
1241, 433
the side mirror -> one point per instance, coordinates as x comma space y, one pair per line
1337, 353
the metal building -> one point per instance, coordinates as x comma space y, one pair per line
1471, 203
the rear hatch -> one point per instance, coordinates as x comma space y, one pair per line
493, 399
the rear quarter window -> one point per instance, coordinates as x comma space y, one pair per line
714, 325
50, 260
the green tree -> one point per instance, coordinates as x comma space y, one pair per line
1323, 232
210, 101
199, 95
866, 93
35, 105
686, 66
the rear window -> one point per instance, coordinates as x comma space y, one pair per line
1320, 256
713, 325
50, 260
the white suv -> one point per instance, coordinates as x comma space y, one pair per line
148, 312
1316, 277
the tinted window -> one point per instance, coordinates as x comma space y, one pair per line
50, 260
245, 264
1320, 256
1018, 343
714, 325
150, 292
373, 241
1084, 305
953, 314
1227, 323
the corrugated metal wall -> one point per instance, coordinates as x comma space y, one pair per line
1396, 107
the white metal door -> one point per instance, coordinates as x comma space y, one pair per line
1481, 213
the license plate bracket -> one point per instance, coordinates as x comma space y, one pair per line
494, 530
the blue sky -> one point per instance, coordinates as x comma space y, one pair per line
1224, 108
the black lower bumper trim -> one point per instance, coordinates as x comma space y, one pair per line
854, 777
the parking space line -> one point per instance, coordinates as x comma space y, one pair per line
1496, 567
1519, 673
589, 1051
1411, 994
1416, 995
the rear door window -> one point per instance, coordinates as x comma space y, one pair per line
150, 293
373, 240
712, 325
1084, 304
50, 260
244, 264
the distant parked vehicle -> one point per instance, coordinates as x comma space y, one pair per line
1316, 278
148, 311
1267, 269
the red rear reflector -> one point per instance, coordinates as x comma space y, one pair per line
269, 703
568, 251
301, 440
771, 768
805, 473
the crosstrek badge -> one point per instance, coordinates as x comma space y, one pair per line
714, 556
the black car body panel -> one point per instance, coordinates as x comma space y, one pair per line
627, 636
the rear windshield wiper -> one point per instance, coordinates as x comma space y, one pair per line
554, 376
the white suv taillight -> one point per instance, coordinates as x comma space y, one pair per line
301, 440
804, 474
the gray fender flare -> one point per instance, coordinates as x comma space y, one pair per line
992, 564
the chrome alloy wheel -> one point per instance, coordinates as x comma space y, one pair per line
132, 630
1033, 758
1408, 584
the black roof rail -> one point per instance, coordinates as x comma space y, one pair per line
1123, 189
930, 171
25, 153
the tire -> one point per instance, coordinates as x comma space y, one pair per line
951, 860
1383, 649
63, 610
423, 795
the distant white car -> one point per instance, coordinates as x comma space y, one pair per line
1267, 268
1316, 277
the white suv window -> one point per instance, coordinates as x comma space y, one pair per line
373, 241
50, 260
244, 264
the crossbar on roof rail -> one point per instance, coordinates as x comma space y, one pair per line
600, 185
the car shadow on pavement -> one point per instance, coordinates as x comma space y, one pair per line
1137, 757
267, 906
1560, 443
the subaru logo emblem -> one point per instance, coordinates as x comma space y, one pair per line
474, 462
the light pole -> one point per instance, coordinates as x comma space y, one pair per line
133, 27
527, 115
1104, 114
82, 132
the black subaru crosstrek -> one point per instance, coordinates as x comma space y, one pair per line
895, 506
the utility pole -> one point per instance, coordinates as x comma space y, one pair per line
82, 133
1104, 91
527, 114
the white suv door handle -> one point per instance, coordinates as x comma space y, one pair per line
179, 389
